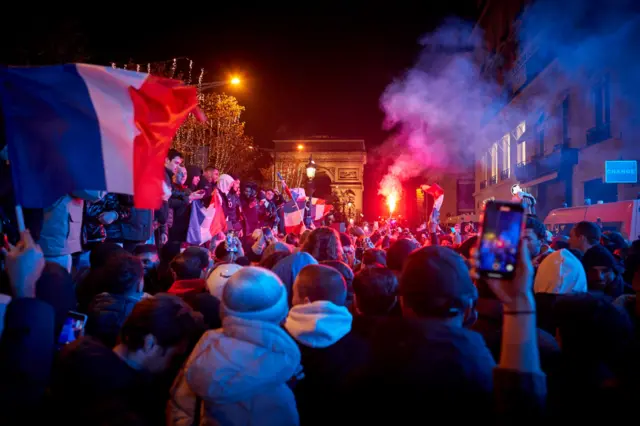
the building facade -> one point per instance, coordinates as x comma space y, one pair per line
553, 143
339, 167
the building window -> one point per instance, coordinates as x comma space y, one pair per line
602, 102
494, 161
521, 156
506, 157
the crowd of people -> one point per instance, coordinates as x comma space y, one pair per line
258, 327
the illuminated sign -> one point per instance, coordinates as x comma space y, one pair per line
621, 171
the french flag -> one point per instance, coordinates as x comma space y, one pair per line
86, 127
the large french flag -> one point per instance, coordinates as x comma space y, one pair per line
76, 127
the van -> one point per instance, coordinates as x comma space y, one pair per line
621, 216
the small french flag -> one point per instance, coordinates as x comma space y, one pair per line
86, 127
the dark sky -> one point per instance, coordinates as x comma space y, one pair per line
306, 73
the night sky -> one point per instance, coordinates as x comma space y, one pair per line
309, 73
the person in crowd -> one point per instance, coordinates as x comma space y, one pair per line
208, 183
249, 206
120, 288
270, 261
347, 274
429, 356
374, 257
123, 223
229, 191
148, 255
163, 217
324, 244
320, 323
289, 268
584, 235
228, 251
239, 373
219, 276
180, 205
105, 385
398, 254
189, 269
535, 235
276, 247
376, 292
268, 210
60, 236
603, 272
293, 240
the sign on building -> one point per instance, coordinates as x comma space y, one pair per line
621, 172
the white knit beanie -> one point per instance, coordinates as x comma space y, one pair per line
255, 293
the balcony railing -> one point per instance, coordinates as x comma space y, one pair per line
483, 184
493, 180
505, 174
559, 160
599, 133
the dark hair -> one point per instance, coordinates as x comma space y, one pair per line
589, 230
292, 239
210, 167
592, 328
173, 153
321, 282
270, 261
376, 290
398, 253
347, 274
537, 227
345, 240
101, 253
166, 317
374, 256
188, 265
145, 248
122, 273
323, 244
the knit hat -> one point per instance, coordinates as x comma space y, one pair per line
219, 276
435, 281
599, 256
257, 294
560, 273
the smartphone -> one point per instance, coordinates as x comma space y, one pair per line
72, 329
502, 227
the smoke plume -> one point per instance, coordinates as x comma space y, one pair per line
440, 110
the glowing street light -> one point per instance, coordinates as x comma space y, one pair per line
300, 147
235, 81
311, 168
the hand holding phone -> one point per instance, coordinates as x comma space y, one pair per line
499, 241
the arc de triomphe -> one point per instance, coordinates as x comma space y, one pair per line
341, 160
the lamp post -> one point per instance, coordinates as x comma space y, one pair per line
311, 173
235, 81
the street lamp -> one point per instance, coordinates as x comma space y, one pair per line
235, 81
311, 168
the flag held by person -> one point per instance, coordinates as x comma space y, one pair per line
77, 126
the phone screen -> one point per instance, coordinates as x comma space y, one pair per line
73, 328
498, 243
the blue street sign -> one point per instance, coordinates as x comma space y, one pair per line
621, 172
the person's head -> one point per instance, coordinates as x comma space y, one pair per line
190, 264
211, 174
399, 252
157, 330
148, 255
535, 235
323, 244
601, 267
102, 252
181, 175
584, 235
224, 253
270, 261
236, 185
250, 190
122, 274
269, 194
173, 161
560, 273
319, 283
293, 240
590, 329
256, 294
376, 291
435, 283
347, 274
374, 257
